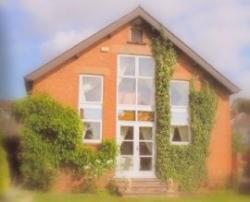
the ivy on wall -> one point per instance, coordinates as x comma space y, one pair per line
184, 164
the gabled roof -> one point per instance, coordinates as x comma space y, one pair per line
138, 12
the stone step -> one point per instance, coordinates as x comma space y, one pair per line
140, 187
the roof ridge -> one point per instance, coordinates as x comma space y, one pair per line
137, 12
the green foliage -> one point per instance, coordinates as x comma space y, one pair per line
241, 105
52, 139
237, 143
165, 61
4, 171
93, 163
184, 164
203, 107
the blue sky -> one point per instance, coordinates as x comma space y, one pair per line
33, 32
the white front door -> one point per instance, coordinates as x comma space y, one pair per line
137, 151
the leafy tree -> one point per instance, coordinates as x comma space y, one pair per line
52, 139
241, 105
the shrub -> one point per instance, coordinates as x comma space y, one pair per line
52, 139
238, 143
50, 132
4, 171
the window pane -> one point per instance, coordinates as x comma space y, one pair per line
145, 116
127, 66
146, 67
127, 148
90, 113
146, 133
92, 89
126, 91
145, 148
126, 163
146, 163
126, 115
137, 35
180, 134
145, 92
127, 133
179, 93
92, 131
179, 117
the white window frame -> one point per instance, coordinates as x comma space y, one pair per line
182, 142
135, 106
91, 105
180, 108
136, 123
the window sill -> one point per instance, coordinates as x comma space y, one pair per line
136, 43
92, 141
180, 143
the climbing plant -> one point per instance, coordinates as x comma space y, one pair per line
184, 164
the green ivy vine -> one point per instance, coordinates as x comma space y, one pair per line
186, 164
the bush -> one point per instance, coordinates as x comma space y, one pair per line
238, 143
4, 171
38, 165
52, 139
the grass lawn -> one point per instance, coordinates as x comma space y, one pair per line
105, 197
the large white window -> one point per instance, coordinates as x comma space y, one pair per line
179, 99
136, 81
91, 101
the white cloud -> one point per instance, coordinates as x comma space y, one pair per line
62, 41
217, 29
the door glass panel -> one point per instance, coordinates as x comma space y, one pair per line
145, 92
127, 133
127, 148
145, 163
146, 67
124, 115
126, 163
126, 91
146, 133
145, 148
145, 116
127, 66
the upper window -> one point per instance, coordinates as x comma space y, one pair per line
91, 107
136, 81
179, 93
92, 89
136, 34
179, 97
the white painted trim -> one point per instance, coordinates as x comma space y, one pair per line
178, 108
135, 124
93, 105
81, 83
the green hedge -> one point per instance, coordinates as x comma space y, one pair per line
52, 139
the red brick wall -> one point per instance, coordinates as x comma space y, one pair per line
63, 85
